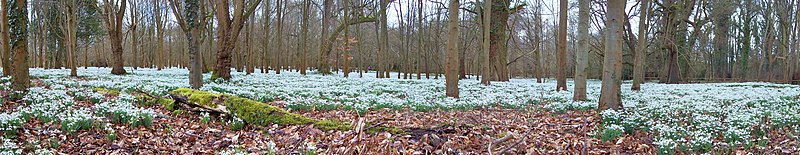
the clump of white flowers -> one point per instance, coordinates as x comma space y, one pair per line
9, 147
122, 111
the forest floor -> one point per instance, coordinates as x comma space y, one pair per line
99, 113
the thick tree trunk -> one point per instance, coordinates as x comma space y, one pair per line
19, 42
113, 14
581, 56
610, 97
639, 60
498, 39
228, 29
195, 60
452, 51
561, 53
324, 67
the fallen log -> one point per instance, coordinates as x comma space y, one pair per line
251, 112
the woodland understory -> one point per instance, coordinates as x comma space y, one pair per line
101, 113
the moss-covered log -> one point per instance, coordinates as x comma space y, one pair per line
252, 112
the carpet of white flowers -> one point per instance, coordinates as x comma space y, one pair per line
681, 117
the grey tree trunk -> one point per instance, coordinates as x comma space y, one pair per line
610, 97
451, 74
641, 49
581, 56
485, 67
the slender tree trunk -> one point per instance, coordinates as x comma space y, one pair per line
610, 97
70, 30
486, 73
266, 50
278, 37
639, 61
4, 37
384, 41
250, 57
346, 57
304, 36
561, 54
581, 55
452, 51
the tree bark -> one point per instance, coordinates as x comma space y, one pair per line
639, 61
278, 37
70, 28
266, 49
581, 56
19, 42
561, 54
383, 70
4, 37
228, 29
610, 97
486, 72
304, 35
114, 12
499, 36
451, 76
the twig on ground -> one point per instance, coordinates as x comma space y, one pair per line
499, 140
517, 143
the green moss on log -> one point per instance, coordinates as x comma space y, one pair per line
254, 112
169, 104
393, 130
199, 97
105, 91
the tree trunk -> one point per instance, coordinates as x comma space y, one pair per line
278, 37
610, 97
452, 51
324, 67
228, 29
498, 40
581, 56
114, 12
266, 49
384, 41
346, 56
19, 42
641, 52
250, 56
304, 36
70, 27
4, 37
420, 45
561, 54
160, 35
486, 69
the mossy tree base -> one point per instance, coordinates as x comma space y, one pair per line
252, 112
